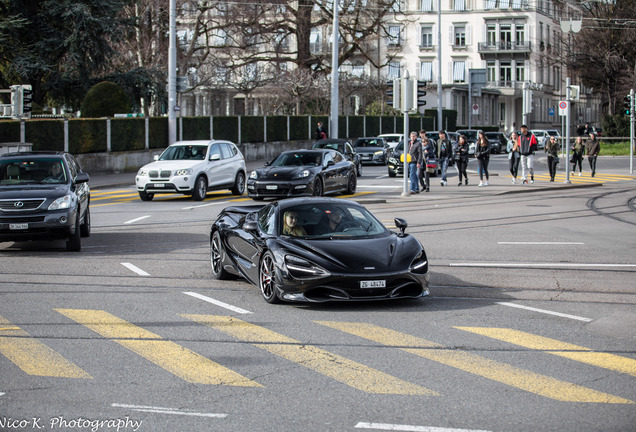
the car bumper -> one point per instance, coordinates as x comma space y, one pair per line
372, 159
396, 169
183, 184
278, 189
52, 225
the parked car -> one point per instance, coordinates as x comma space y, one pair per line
193, 168
392, 139
303, 172
342, 253
344, 147
44, 196
498, 141
372, 150
542, 137
471, 138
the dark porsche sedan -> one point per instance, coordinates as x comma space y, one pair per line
302, 173
44, 196
344, 147
317, 250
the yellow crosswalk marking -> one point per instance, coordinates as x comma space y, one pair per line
574, 352
334, 366
519, 378
176, 359
32, 356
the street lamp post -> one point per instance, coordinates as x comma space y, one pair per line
172, 74
333, 129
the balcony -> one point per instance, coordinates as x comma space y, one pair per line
504, 48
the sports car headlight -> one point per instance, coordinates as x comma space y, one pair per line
61, 203
302, 174
420, 263
254, 175
393, 161
301, 268
183, 172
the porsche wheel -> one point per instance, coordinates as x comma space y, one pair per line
267, 279
352, 183
318, 187
216, 257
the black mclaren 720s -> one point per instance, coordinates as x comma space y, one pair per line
317, 249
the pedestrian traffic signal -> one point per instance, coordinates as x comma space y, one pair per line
420, 92
16, 101
393, 93
627, 105
27, 99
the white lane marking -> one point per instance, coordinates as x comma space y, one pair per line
136, 219
205, 205
1, 394
559, 314
548, 265
378, 186
410, 428
161, 410
218, 303
135, 269
540, 243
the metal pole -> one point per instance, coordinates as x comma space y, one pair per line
567, 131
333, 130
439, 64
632, 118
470, 101
172, 74
524, 103
405, 188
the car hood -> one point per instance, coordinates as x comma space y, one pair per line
367, 149
172, 164
283, 173
33, 191
373, 255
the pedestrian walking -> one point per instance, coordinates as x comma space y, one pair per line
415, 162
321, 132
461, 156
429, 156
578, 150
527, 147
513, 156
482, 154
446, 155
593, 147
552, 149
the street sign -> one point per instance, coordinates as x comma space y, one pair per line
563, 108
551, 112
475, 109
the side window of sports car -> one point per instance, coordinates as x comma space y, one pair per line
337, 157
267, 220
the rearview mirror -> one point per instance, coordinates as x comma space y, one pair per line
401, 224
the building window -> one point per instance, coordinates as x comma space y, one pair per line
505, 36
491, 4
394, 70
520, 34
426, 5
315, 40
516, 4
458, 5
460, 36
491, 71
504, 4
520, 71
505, 71
394, 35
459, 71
427, 37
491, 34
426, 71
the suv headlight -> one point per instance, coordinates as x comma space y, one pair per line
62, 203
142, 172
183, 172
379, 153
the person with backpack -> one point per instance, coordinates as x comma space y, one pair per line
527, 147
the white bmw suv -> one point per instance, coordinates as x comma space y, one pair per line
193, 168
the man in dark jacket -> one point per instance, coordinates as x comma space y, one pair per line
527, 147
415, 162
446, 155
593, 147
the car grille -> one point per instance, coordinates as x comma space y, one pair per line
160, 174
23, 219
17, 205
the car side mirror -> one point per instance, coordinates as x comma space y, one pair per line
215, 157
330, 163
81, 178
401, 224
250, 226
155, 158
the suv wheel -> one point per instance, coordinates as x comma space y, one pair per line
200, 189
85, 228
239, 184
146, 196
74, 241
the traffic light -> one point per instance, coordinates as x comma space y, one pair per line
627, 105
16, 100
419, 93
27, 99
393, 93
182, 84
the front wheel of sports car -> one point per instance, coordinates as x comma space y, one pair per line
216, 257
318, 187
267, 279
352, 183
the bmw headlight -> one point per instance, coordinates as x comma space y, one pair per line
142, 172
420, 263
62, 203
303, 174
254, 175
300, 268
183, 172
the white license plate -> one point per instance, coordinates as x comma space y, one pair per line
271, 187
18, 226
158, 185
373, 284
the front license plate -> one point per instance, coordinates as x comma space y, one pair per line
158, 185
271, 187
18, 226
373, 284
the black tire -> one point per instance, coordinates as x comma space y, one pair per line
267, 278
352, 184
200, 189
259, 198
146, 196
216, 257
239, 184
392, 173
74, 241
318, 190
359, 170
85, 228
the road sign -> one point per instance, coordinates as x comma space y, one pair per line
475, 109
563, 108
551, 112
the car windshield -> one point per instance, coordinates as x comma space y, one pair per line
369, 143
29, 171
184, 152
332, 146
330, 221
298, 159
